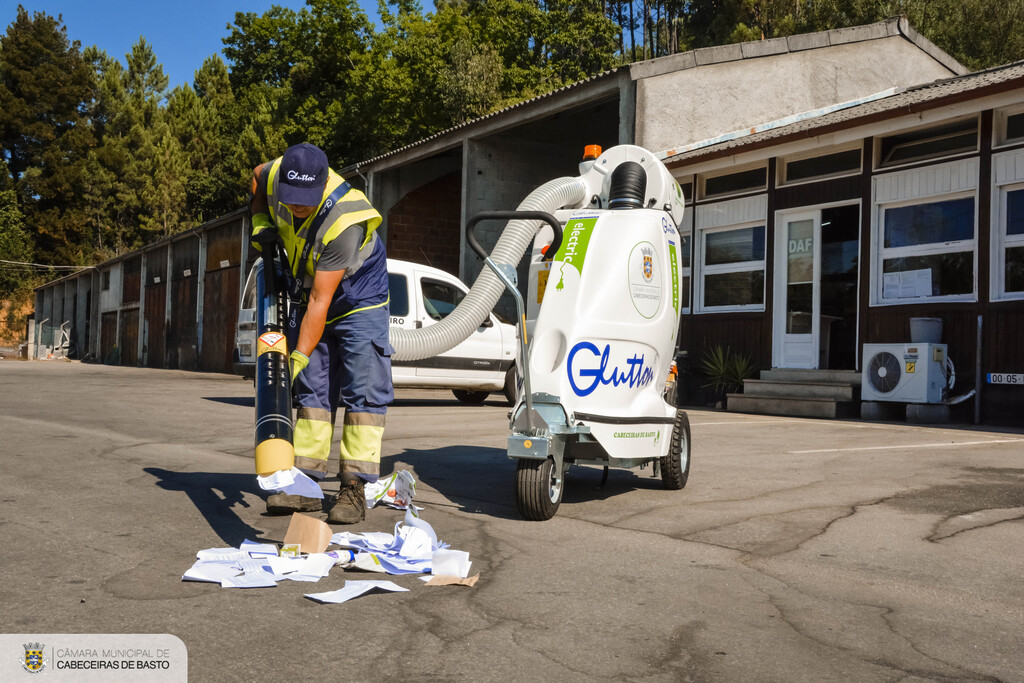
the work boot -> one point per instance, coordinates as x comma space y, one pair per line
287, 503
350, 507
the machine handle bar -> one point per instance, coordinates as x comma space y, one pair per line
520, 215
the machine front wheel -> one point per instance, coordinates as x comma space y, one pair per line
675, 467
539, 487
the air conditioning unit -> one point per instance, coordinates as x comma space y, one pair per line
904, 373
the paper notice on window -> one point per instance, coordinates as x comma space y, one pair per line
891, 286
923, 282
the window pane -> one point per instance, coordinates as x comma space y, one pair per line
1015, 269
938, 222
399, 292
684, 250
1015, 212
1015, 127
754, 179
828, 164
734, 289
734, 246
950, 274
961, 136
440, 299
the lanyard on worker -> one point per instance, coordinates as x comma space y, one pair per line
312, 235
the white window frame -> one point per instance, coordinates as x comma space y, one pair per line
1006, 178
723, 268
785, 161
686, 230
999, 127
926, 185
880, 165
700, 187
733, 214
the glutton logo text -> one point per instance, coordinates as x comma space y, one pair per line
304, 177
588, 368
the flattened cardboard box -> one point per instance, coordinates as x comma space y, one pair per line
312, 535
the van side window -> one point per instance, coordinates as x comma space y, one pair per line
439, 298
399, 291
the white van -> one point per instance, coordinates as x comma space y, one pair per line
420, 296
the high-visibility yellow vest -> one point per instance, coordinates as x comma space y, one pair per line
353, 208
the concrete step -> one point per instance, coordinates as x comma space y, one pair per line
812, 376
775, 388
794, 407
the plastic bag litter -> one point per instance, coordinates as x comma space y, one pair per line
395, 491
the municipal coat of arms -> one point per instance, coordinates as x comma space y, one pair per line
648, 263
34, 659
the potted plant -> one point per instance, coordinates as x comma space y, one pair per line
726, 371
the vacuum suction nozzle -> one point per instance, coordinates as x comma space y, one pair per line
628, 186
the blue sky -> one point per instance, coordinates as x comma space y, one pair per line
182, 32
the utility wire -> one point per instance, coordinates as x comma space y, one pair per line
25, 264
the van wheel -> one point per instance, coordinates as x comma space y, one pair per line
473, 398
510, 390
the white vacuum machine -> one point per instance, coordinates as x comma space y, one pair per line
598, 335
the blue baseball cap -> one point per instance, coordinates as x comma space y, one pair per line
303, 175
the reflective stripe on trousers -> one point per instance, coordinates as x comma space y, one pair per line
350, 368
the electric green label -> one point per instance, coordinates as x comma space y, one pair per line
575, 240
675, 275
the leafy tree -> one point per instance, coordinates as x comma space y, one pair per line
15, 244
45, 85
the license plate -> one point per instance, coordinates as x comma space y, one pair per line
244, 349
1005, 378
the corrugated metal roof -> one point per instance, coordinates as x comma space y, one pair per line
492, 115
896, 26
918, 97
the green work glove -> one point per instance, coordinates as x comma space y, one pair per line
299, 363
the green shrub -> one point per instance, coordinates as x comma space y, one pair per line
726, 370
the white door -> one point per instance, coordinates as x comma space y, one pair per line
797, 298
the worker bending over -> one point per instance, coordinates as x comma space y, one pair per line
338, 327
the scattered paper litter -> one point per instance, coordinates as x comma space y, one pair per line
212, 572
293, 481
413, 548
451, 563
353, 589
250, 581
256, 549
222, 554
451, 580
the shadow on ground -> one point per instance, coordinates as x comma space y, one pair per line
241, 401
215, 495
482, 480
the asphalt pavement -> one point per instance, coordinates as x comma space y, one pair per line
800, 550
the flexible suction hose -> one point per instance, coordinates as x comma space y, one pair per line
472, 311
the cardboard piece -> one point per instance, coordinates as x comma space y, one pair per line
311, 534
453, 581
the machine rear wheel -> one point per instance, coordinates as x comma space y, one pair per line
675, 467
473, 398
538, 488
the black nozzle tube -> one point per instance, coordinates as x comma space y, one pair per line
628, 186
